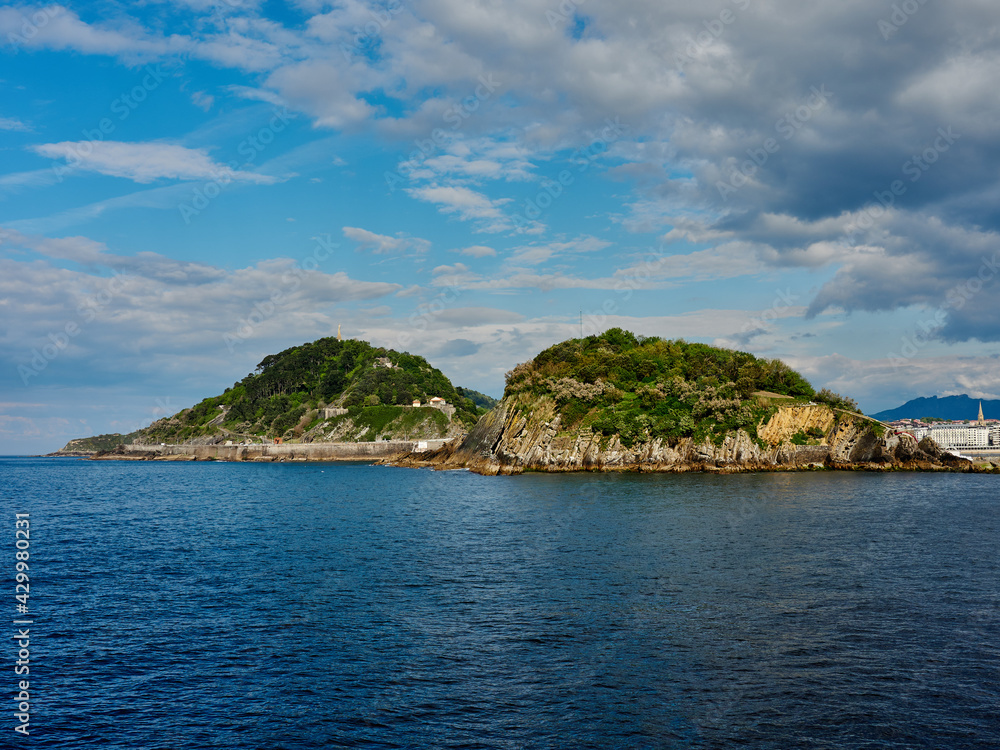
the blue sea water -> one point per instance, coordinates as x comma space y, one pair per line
229, 605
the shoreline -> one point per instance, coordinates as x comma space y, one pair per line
261, 452
407, 462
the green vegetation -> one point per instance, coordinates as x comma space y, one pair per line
99, 442
373, 422
280, 398
835, 400
641, 388
481, 400
812, 436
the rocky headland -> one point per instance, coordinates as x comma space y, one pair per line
621, 403
511, 440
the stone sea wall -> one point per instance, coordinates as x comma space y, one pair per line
257, 452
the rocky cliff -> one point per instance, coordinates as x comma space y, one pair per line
520, 435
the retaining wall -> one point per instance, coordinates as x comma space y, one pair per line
285, 451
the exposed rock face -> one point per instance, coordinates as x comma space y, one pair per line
515, 437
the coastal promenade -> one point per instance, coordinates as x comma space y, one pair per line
282, 452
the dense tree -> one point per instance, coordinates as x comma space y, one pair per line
634, 386
284, 386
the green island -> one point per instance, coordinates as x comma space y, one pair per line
327, 390
639, 387
609, 402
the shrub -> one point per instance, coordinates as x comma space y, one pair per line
835, 400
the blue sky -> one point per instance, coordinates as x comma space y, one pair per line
189, 185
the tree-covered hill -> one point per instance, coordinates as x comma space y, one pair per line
284, 394
481, 400
97, 443
642, 388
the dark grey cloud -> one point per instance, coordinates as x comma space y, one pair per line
459, 348
909, 122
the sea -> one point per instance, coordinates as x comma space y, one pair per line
343, 605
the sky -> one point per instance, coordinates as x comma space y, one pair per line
187, 186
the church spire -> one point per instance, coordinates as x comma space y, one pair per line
980, 420
338, 339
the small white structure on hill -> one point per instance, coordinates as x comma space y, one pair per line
439, 403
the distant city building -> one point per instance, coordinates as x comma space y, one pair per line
960, 436
955, 435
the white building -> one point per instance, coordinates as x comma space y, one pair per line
960, 435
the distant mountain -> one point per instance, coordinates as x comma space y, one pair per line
949, 407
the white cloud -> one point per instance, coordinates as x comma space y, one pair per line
467, 204
202, 100
146, 162
883, 384
381, 244
458, 269
11, 123
158, 315
18, 181
528, 280
323, 90
478, 251
961, 92
540, 252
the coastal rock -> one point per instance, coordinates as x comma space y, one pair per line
517, 437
